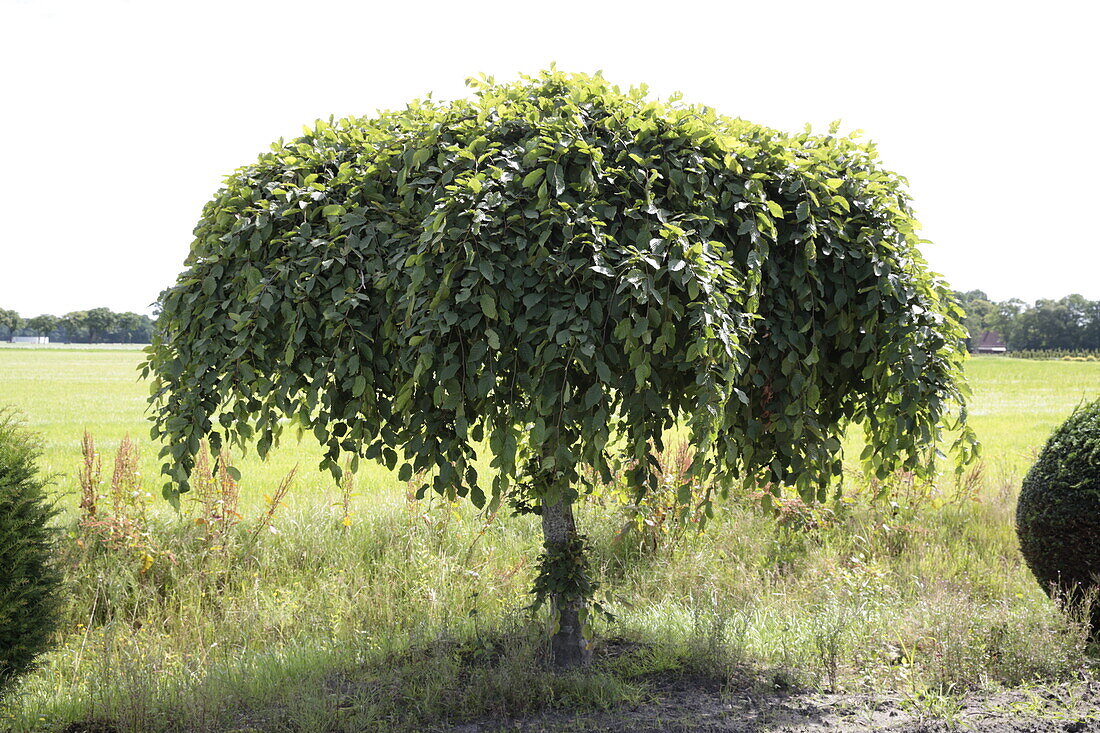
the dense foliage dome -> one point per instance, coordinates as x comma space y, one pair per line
559, 271
1058, 514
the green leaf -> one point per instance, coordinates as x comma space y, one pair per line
592, 396
420, 156
533, 178
556, 179
488, 306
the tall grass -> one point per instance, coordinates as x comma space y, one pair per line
411, 615
358, 607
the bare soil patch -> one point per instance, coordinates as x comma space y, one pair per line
692, 704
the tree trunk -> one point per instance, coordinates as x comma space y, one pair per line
568, 647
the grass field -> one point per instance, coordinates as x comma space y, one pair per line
407, 614
63, 392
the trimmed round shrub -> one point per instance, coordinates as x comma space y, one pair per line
30, 583
1058, 514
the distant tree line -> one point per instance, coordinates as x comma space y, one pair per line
95, 326
1069, 324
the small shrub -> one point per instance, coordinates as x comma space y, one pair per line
218, 494
660, 517
1058, 514
30, 601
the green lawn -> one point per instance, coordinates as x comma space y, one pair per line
62, 393
1017, 402
1015, 405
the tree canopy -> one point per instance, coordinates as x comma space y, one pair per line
1070, 323
560, 271
10, 321
95, 325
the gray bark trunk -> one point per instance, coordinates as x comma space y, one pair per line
568, 647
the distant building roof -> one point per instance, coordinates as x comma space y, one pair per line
990, 342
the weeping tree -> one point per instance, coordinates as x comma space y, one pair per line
554, 273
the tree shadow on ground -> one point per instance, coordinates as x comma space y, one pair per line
501, 682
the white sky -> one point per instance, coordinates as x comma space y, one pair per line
119, 119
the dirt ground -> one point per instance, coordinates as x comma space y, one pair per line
695, 705
682, 703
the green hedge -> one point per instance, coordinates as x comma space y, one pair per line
1058, 515
1056, 354
30, 583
